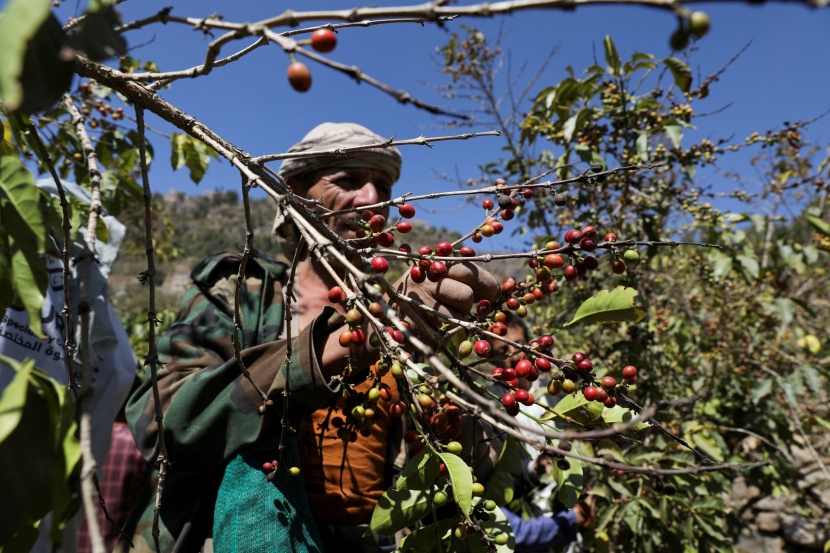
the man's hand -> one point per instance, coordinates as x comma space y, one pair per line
455, 294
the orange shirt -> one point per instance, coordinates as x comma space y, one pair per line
345, 480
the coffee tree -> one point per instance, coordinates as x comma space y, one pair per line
640, 408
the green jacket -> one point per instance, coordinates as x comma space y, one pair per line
211, 411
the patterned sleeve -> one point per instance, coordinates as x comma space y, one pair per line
210, 409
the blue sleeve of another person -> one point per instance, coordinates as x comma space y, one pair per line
541, 533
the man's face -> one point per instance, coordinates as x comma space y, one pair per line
339, 188
515, 334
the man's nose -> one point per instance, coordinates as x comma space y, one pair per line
366, 195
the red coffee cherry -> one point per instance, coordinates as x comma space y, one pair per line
385, 239
403, 227
629, 371
377, 222
417, 274
444, 249
585, 365
437, 270
336, 294
608, 382
487, 203
543, 364
570, 273
467, 251
523, 368
590, 393
508, 399
407, 211
323, 40
380, 264
299, 77
482, 348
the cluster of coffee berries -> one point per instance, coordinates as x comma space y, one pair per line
507, 203
270, 467
518, 295
299, 77
360, 410
519, 377
96, 109
581, 370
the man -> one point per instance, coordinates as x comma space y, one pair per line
217, 493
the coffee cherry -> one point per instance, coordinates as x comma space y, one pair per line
570, 273
699, 24
589, 231
377, 223
407, 211
417, 274
553, 261
478, 489
466, 251
487, 230
560, 200
482, 348
523, 368
465, 348
585, 365
590, 393
573, 236
358, 337
497, 374
632, 380
444, 249
439, 498
602, 395
490, 505
508, 400
354, 317
397, 408
385, 239
578, 356
507, 214
545, 341
629, 371
608, 382
632, 256
345, 338
509, 374
483, 307
568, 386
555, 387
679, 40
336, 294
403, 227
380, 264
522, 396
299, 77
405, 248
367, 214
425, 250
501, 539
543, 364
487, 203
610, 237
588, 244
437, 270
591, 262
294, 471
396, 370
610, 402
521, 312
618, 266
454, 448
508, 286
323, 40
497, 227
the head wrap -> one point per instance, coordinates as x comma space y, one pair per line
332, 136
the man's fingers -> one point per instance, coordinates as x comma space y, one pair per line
483, 284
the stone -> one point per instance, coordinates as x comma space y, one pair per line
768, 521
801, 531
770, 503
753, 542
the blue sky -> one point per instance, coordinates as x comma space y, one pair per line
783, 76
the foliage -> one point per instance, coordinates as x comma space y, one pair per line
733, 330
726, 337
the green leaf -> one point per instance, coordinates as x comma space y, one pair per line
611, 55
426, 538
576, 407
749, 265
608, 306
22, 218
569, 482
762, 390
819, 224
13, 399
461, 479
187, 151
608, 515
681, 73
619, 414
397, 509
642, 146
631, 514
420, 472
19, 23
500, 485
675, 134
97, 36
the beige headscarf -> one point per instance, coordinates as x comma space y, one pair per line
331, 136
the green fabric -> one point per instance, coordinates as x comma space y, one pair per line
254, 515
